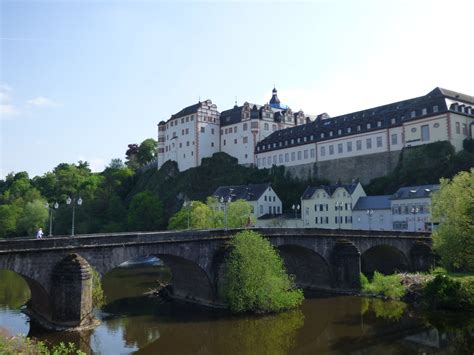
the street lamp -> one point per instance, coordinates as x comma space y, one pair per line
369, 215
50, 207
414, 211
73, 202
339, 208
296, 208
189, 204
225, 201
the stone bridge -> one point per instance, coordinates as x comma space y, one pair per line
58, 269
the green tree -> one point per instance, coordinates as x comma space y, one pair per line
239, 214
453, 207
8, 219
145, 212
255, 278
147, 151
35, 215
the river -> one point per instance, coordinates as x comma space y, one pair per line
134, 323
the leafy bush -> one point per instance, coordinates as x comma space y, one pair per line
255, 278
10, 345
98, 297
444, 292
387, 285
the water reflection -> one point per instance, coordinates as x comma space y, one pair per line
134, 323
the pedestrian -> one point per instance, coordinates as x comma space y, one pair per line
39, 234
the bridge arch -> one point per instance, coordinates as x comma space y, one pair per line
39, 297
189, 280
422, 256
383, 258
345, 260
311, 270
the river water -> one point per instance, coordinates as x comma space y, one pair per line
133, 323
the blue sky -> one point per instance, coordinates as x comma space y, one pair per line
80, 80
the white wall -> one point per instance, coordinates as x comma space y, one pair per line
408, 221
378, 220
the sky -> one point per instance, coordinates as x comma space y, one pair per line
80, 80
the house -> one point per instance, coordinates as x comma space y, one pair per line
411, 208
330, 206
261, 197
372, 213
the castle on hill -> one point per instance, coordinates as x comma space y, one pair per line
363, 144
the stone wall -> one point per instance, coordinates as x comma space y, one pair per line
364, 167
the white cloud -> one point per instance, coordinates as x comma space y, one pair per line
7, 109
42, 101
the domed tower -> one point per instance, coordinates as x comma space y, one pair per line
275, 101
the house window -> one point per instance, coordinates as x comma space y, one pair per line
203, 129
339, 148
458, 128
379, 123
235, 129
212, 130
423, 111
274, 160
331, 149
235, 141
224, 142
425, 133
349, 146
392, 121
323, 151
394, 139
299, 155
358, 144
269, 161
265, 126
280, 158
245, 140
413, 114
312, 153
379, 142
287, 157
358, 128
464, 129
369, 143
245, 126
261, 209
368, 125
435, 108
293, 156
305, 154
212, 144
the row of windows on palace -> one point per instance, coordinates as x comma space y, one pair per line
303, 154
322, 136
175, 122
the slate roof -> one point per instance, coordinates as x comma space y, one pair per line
390, 115
310, 190
187, 110
414, 192
251, 192
381, 202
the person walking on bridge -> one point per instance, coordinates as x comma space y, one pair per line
39, 234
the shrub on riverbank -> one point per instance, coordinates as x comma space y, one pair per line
386, 285
10, 345
256, 279
444, 292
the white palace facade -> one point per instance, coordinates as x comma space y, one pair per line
272, 134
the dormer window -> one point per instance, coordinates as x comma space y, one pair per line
330, 133
435, 108
392, 121
358, 128
424, 111
369, 125
339, 131
322, 135
349, 129
292, 141
413, 114
379, 123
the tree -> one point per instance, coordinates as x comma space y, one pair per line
255, 278
8, 219
116, 163
239, 214
199, 215
145, 212
453, 207
131, 156
147, 151
35, 215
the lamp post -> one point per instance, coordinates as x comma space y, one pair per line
73, 202
339, 208
414, 211
296, 208
369, 216
51, 206
225, 201
188, 204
